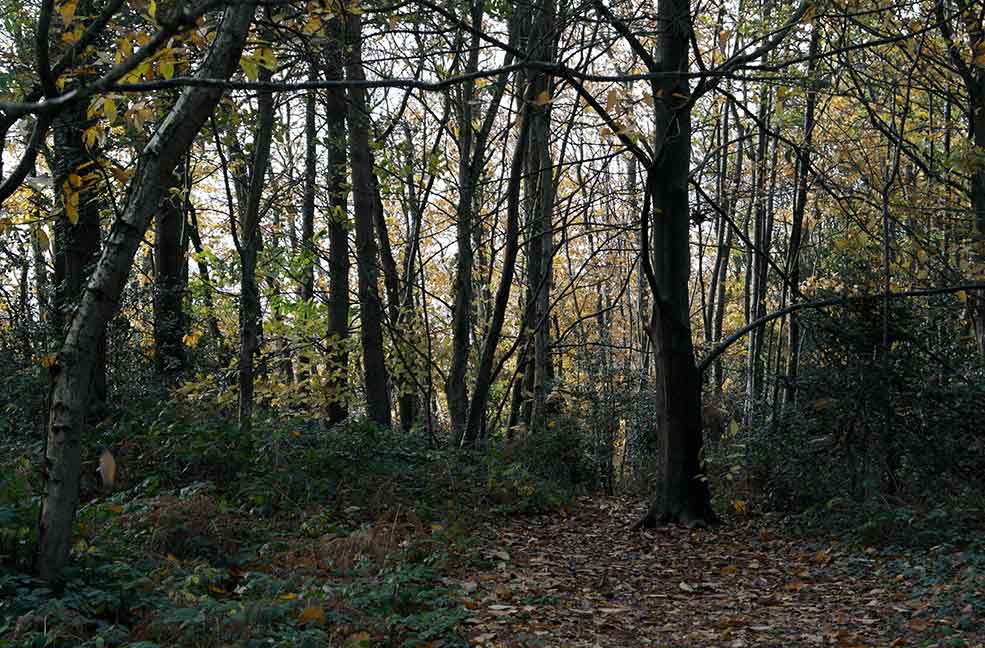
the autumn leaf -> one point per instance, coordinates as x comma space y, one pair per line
107, 468
265, 58
249, 68
312, 614
72, 205
312, 26
166, 68
67, 11
359, 639
109, 110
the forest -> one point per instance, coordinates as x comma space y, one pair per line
435, 323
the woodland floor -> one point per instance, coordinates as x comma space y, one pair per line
584, 579
324, 539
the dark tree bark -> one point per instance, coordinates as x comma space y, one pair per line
248, 246
485, 372
337, 333
73, 369
799, 209
973, 75
758, 268
472, 151
367, 253
308, 203
170, 275
682, 492
537, 37
76, 245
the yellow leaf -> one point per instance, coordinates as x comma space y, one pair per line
72, 206
109, 110
962, 296
359, 638
67, 10
48, 360
107, 468
739, 506
166, 68
192, 338
290, 596
312, 26
730, 570
312, 614
152, 9
543, 98
265, 58
115, 508
249, 67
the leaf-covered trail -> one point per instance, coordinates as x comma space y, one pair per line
585, 579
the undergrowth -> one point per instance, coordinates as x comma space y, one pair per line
300, 535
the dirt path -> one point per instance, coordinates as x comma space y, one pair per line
584, 580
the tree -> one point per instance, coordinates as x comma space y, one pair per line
73, 368
367, 250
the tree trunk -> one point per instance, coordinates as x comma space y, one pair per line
758, 262
537, 39
485, 373
203, 272
682, 492
249, 248
308, 203
170, 322
73, 368
799, 208
367, 254
76, 245
337, 357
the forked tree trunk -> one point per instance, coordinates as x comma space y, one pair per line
73, 369
485, 372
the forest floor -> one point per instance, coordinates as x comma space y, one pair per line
583, 578
312, 537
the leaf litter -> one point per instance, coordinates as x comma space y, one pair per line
582, 578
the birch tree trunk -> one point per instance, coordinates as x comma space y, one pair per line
73, 368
